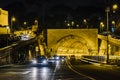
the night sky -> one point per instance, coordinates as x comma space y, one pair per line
29, 10
28, 6
71, 3
36, 5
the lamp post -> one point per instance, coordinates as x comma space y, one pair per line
13, 19
114, 8
7, 28
85, 23
107, 16
25, 27
36, 23
113, 25
101, 26
25, 24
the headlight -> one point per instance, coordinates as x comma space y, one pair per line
34, 61
57, 57
44, 61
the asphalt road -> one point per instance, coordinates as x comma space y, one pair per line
61, 71
97, 71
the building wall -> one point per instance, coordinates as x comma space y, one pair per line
3, 17
4, 30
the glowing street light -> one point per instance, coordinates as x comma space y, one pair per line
113, 23
36, 23
13, 19
68, 24
25, 23
114, 7
101, 26
73, 23
85, 22
7, 28
25, 27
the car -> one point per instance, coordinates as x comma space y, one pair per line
40, 60
54, 59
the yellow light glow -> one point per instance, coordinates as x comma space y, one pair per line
102, 24
84, 20
113, 22
13, 19
72, 23
115, 6
36, 21
77, 25
7, 27
68, 24
25, 23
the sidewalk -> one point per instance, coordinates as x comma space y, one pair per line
14, 65
4, 66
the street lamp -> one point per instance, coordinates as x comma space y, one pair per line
36, 23
25, 27
107, 16
68, 24
13, 19
101, 26
113, 23
7, 28
114, 8
25, 23
72, 23
85, 23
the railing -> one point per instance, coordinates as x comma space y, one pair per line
110, 39
6, 52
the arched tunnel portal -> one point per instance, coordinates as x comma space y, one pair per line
72, 42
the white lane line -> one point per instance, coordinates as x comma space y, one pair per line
54, 73
78, 72
52, 78
25, 72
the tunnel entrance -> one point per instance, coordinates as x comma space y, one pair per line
76, 42
71, 45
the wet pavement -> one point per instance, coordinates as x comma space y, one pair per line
61, 71
58, 71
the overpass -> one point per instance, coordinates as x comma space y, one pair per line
113, 45
20, 52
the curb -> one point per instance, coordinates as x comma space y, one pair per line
4, 66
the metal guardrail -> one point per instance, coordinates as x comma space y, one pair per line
95, 59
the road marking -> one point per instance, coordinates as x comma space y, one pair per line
52, 78
25, 72
69, 65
